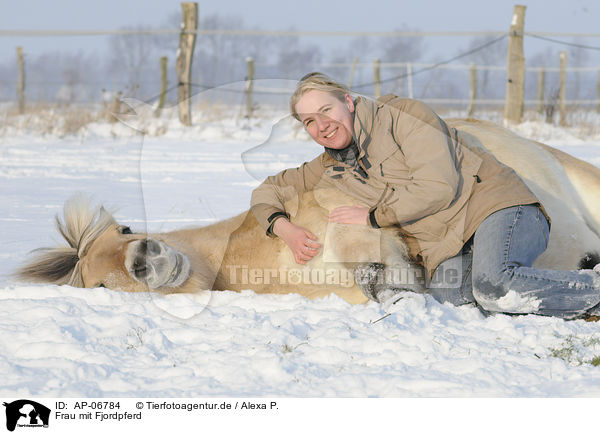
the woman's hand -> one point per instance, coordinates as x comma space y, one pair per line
302, 243
354, 215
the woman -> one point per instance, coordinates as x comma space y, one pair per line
450, 202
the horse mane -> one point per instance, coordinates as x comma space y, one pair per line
81, 225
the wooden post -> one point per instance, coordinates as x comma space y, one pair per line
163, 86
541, 86
472, 90
21, 80
400, 85
409, 82
187, 41
377, 78
598, 107
352, 72
562, 89
515, 80
249, 86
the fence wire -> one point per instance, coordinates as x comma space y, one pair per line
443, 82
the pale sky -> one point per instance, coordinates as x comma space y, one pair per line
336, 15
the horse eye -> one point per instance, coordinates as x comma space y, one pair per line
126, 230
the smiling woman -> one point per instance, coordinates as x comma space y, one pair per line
458, 208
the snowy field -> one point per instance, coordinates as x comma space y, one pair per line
62, 341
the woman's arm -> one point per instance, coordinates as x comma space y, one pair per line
268, 206
269, 198
350, 214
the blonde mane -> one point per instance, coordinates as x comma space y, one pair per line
82, 224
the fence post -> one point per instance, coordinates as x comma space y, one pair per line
376, 78
409, 82
21, 80
541, 86
562, 89
598, 107
187, 41
352, 72
249, 86
163, 86
472, 90
399, 84
515, 81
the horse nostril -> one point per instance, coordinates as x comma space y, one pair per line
153, 247
139, 267
148, 247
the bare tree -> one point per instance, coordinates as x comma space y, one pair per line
294, 60
546, 58
492, 55
8, 72
578, 56
133, 57
63, 76
407, 49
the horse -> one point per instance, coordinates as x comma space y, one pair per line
235, 254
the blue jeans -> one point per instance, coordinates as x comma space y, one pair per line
496, 270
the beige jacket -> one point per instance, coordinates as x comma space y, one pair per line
420, 178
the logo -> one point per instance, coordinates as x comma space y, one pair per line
26, 413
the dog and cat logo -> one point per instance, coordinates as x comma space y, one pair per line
24, 413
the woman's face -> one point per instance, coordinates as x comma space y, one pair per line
328, 120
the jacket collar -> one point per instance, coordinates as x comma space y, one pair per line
364, 115
365, 111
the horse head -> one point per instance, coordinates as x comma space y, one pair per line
101, 252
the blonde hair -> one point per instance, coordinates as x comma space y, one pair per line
317, 81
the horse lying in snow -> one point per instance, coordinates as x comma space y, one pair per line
235, 254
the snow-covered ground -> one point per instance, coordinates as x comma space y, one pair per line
62, 341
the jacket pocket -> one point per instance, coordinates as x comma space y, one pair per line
393, 168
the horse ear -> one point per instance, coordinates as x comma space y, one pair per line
49, 266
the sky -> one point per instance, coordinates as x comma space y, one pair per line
571, 16
314, 15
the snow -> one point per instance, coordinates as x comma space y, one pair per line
59, 341
511, 302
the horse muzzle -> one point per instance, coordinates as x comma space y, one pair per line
156, 264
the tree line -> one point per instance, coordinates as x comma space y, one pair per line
131, 64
